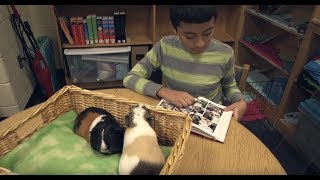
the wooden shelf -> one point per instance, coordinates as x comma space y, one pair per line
96, 85
134, 40
275, 22
268, 59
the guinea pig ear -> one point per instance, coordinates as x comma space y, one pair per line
146, 110
150, 119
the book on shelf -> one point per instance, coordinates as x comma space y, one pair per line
120, 26
94, 28
208, 118
111, 30
63, 24
105, 29
122, 19
81, 34
74, 30
100, 30
117, 27
85, 28
90, 29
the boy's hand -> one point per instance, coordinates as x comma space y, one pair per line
238, 108
178, 98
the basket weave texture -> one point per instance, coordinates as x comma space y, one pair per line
172, 128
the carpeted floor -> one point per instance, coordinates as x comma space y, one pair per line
291, 161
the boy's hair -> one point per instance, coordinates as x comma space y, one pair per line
192, 14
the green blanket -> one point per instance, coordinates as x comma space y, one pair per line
55, 149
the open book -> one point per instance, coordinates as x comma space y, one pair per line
209, 119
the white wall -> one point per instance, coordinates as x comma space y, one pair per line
16, 83
41, 20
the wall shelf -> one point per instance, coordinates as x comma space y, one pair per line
292, 46
134, 41
263, 56
274, 22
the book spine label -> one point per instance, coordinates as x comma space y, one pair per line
95, 29
85, 27
100, 30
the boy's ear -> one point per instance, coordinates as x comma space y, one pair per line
174, 29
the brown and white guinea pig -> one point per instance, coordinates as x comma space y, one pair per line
141, 154
100, 129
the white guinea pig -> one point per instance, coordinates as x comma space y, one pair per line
141, 153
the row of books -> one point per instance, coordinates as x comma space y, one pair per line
95, 29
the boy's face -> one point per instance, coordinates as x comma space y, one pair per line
195, 37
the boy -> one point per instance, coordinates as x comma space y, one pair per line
192, 63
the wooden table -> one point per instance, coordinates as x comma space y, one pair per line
241, 153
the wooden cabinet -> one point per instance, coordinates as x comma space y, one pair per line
145, 25
305, 139
277, 50
139, 30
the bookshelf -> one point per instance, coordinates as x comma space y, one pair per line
264, 56
287, 43
306, 135
145, 25
274, 22
134, 41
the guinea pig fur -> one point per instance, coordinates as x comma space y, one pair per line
100, 129
141, 154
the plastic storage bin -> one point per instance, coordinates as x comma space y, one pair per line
98, 64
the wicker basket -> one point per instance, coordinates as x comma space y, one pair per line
172, 128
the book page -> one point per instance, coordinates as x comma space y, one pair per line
208, 118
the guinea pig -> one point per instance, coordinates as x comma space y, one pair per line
141, 154
100, 129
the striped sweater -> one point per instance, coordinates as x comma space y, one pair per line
209, 74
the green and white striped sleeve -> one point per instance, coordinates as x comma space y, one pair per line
229, 84
137, 78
